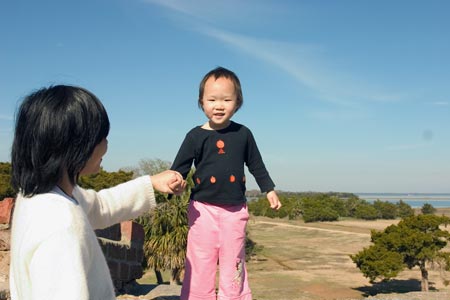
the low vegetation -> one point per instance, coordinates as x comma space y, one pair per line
317, 207
416, 241
6, 189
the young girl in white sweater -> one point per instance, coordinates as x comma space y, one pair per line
61, 134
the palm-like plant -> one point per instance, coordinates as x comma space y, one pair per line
165, 248
166, 229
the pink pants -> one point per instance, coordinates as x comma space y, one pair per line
216, 235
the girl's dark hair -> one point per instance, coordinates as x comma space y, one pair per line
218, 73
57, 129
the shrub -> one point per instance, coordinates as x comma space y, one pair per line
428, 209
366, 211
404, 210
385, 209
317, 209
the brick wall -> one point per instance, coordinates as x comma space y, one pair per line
6, 206
122, 245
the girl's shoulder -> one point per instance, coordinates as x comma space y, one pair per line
47, 204
199, 132
45, 214
236, 128
53, 198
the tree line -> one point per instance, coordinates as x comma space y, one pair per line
318, 207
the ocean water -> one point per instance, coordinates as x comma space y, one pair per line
415, 200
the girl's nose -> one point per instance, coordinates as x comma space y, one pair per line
219, 105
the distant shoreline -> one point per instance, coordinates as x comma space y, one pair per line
407, 198
445, 195
416, 200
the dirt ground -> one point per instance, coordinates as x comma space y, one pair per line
311, 261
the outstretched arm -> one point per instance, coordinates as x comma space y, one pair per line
127, 200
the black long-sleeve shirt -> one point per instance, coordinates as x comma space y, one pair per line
219, 157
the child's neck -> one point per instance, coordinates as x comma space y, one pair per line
209, 126
65, 185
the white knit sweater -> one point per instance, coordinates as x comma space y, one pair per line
55, 253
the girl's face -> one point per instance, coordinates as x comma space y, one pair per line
219, 102
93, 164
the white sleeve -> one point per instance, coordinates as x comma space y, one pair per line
120, 203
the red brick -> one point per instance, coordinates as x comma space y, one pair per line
111, 233
136, 271
124, 272
132, 254
139, 254
132, 232
118, 252
118, 285
6, 207
113, 269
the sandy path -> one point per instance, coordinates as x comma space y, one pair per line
312, 228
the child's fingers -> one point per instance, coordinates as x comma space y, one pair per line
277, 205
175, 189
274, 203
177, 184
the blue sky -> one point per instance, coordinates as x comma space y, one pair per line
350, 96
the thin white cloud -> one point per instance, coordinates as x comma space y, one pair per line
230, 11
179, 6
441, 103
307, 64
264, 50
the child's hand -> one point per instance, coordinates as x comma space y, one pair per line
273, 199
170, 182
179, 185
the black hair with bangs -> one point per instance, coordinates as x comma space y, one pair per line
57, 129
220, 72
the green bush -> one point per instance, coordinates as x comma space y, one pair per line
366, 211
404, 210
386, 210
415, 241
261, 207
317, 208
6, 189
104, 179
428, 209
